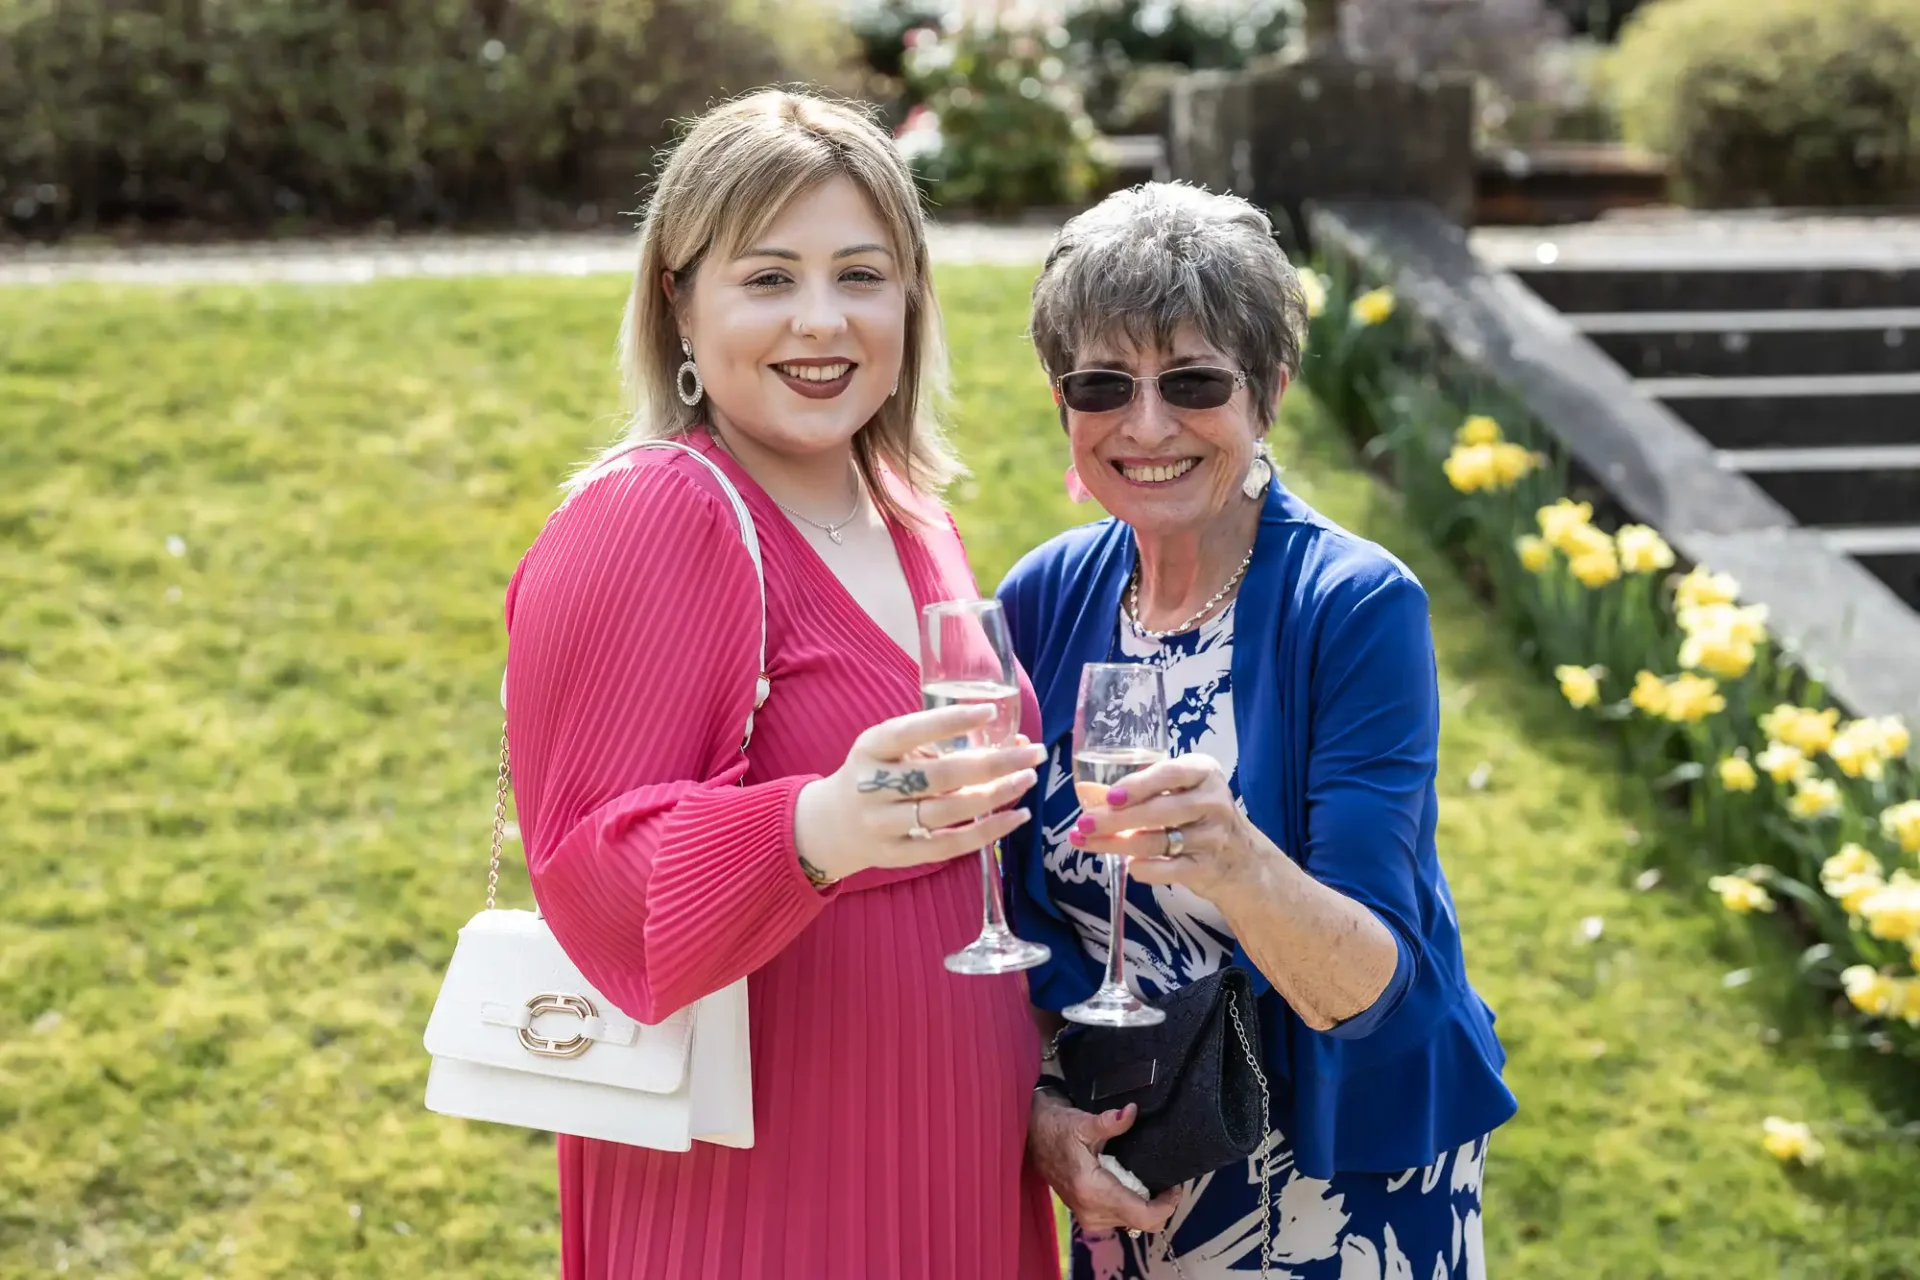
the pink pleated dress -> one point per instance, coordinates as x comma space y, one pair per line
890, 1097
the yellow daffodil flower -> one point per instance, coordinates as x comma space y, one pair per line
1901, 823
1783, 763
1852, 860
1718, 653
1313, 289
1642, 550
1740, 895
1469, 467
1741, 622
1895, 741
1595, 569
1587, 540
1892, 912
1736, 774
1479, 429
1373, 307
1790, 1140
1814, 798
1649, 693
1803, 727
1855, 750
1692, 698
1534, 552
1702, 586
1565, 515
1870, 991
1578, 684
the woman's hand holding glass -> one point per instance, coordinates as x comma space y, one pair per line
894, 803
1217, 851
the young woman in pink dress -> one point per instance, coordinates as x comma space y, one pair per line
784, 256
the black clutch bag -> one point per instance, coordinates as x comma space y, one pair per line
1196, 1078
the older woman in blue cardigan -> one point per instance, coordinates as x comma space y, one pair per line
1292, 833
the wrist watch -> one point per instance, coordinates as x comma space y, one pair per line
815, 876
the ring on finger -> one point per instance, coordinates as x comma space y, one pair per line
918, 831
1176, 842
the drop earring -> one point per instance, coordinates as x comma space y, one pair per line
1076, 487
1259, 472
689, 369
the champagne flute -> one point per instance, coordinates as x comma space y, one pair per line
1119, 728
967, 658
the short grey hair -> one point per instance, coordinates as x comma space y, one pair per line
1149, 259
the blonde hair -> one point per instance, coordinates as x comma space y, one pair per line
731, 175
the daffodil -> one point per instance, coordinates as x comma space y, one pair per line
1814, 798
1783, 763
1479, 429
1870, 991
1579, 685
1894, 738
1642, 550
1802, 727
1740, 895
1850, 876
1534, 551
1587, 540
1558, 520
1373, 307
1901, 823
1855, 750
1469, 467
1313, 290
1892, 912
1718, 653
1736, 774
1511, 462
1704, 587
1790, 1140
1595, 569
1649, 693
1692, 698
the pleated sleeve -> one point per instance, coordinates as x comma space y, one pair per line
634, 624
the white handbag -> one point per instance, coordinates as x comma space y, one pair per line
519, 1037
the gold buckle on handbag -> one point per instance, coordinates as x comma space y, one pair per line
556, 1002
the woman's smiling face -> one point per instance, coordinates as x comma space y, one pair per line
1159, 468
799, 340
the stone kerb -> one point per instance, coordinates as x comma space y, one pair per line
1846, 626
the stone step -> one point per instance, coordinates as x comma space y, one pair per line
1839, 485
1756, 413
1731, 344
1891, 553
1748, 287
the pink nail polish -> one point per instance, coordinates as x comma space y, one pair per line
1085, 826
1076, 839
1117, 796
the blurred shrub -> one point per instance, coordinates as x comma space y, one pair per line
1001, 127
1776, 102
1128, 53
411, 112
1501, 42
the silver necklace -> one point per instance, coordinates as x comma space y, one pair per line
1132, 609
831, 530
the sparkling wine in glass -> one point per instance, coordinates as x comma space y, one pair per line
966, 658
1119, 728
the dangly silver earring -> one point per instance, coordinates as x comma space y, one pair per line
1259, 472
689, 369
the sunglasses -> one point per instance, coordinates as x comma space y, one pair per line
1188, 387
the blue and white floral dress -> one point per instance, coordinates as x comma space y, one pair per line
1419, 1224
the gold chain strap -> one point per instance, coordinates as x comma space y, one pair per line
499, 822
1266, 1183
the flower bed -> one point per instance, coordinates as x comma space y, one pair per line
1811, 819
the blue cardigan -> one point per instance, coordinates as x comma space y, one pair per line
1336, 701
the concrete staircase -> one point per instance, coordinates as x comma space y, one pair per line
1805, 379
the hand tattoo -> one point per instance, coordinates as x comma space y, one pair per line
911, 783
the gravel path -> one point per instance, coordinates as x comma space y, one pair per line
351, 260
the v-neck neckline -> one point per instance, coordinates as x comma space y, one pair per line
913, 558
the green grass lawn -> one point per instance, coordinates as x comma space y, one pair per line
252, 550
